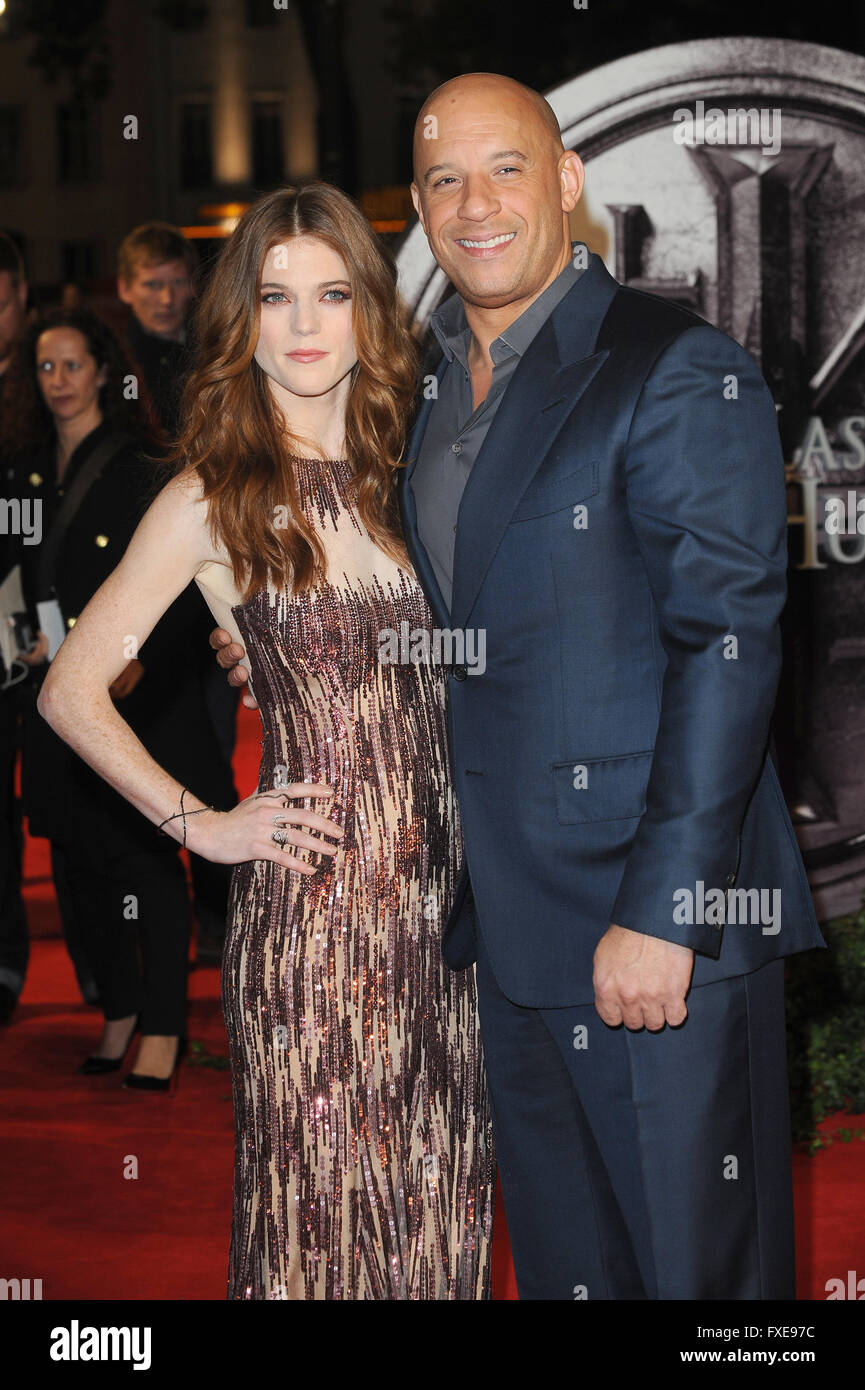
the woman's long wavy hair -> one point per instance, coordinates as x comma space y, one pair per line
26, 423
234, 434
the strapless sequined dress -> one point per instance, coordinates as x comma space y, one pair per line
364, 1165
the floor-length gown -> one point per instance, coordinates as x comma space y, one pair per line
364, 1165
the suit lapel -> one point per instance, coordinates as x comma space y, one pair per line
556, 369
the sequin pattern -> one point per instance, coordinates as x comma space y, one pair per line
364, 1165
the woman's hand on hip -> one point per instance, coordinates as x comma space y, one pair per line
246, 831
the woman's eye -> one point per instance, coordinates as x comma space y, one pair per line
272, 297
343, 295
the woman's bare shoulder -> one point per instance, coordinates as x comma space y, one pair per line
182, 498
186, 488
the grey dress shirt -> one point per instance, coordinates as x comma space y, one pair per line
454, 432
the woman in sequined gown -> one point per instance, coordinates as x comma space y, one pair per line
364, 1161
364, 1157
363, 1165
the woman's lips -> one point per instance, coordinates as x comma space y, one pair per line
309, 356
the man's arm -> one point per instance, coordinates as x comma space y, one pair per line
706, 499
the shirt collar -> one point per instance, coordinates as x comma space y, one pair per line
450, 326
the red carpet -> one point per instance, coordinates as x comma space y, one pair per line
106, 1194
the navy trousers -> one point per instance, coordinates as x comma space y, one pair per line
638, 1165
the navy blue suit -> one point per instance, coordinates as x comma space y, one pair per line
621, 542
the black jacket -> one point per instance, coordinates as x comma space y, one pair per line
163, 364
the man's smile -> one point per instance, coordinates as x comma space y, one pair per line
491, 244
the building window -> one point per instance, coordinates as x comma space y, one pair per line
259, 13
77, 261
196, 167
77, 143
268, 166
11, 146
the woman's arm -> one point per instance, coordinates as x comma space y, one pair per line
170, 545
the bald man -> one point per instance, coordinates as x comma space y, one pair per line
594, 500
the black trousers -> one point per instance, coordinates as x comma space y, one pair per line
131, 918
638, 1165
121, 888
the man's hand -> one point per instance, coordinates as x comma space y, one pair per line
228, 654
641, 981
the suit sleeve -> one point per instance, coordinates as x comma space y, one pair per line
706, 499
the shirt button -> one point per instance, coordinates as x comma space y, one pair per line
457, 448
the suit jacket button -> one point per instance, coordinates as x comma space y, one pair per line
101, 541
731, 879
459, 673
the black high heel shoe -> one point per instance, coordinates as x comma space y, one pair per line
132, 1082
98, 1066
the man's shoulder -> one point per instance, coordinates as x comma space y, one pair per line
645, 325
652, 316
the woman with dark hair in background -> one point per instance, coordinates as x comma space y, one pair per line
364, 1161
121, 888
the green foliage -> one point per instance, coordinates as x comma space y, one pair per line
826, 1030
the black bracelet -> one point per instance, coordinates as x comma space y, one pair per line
184, 814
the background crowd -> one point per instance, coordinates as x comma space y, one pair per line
86, 421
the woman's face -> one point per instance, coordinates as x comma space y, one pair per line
68, 374
305, 342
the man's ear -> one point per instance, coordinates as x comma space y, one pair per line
418, 207
572, 177
122, 290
